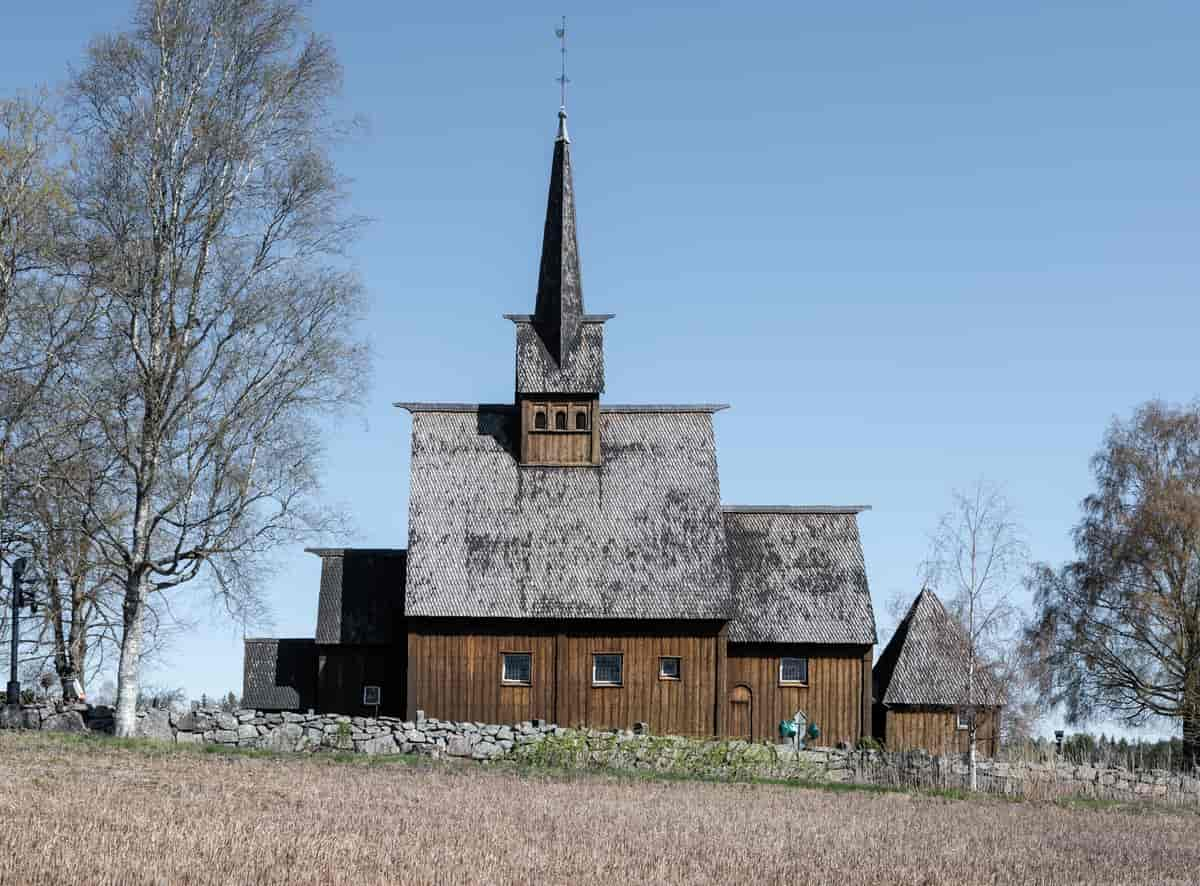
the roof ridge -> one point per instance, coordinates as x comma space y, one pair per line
795, 509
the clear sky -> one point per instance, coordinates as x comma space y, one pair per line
912, 244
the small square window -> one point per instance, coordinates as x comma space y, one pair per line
964, 718
371, 695
668, 667
793, 670
606, 669
517, 668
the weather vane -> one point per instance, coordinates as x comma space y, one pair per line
561, 33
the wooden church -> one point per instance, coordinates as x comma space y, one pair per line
570, 559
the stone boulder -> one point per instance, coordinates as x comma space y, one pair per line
227, 722
380, 744
67, 721
462, 745
155, 724
485, 750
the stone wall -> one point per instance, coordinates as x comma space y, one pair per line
291, 731
542, 744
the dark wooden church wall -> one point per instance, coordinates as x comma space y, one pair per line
456, 676
674, 707
837, 697
934, 729
454, 673
343, 670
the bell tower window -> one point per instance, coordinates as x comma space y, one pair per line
560, 432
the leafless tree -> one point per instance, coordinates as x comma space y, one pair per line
1118, 629
44, 314
976, 561
210, 229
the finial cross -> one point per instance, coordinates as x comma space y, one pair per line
561, 33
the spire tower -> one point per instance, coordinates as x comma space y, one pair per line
559, 311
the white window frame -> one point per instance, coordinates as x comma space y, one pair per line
962, 720
620, 657
782, 681
678, 675
505, 679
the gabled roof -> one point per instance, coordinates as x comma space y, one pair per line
279, 674
926, 661
798, 575
362, 594
640, 536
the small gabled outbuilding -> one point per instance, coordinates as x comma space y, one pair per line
920, 684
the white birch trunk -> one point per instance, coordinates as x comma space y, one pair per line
972, 767
128, 668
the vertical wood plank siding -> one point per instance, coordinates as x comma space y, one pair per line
454, 672
342, 671
455, 675
833, 698
935, 730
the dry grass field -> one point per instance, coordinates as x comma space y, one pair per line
95, 811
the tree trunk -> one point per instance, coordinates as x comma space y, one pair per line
1191, 718
131, 656
972, 757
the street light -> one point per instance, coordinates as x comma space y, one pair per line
18, 600
14, 685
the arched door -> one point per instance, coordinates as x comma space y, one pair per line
741, 712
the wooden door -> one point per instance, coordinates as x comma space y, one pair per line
741, 712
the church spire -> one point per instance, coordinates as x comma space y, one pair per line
559, 310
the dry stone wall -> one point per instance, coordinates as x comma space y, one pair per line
544, 744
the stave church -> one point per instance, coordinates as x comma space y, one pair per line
570, 559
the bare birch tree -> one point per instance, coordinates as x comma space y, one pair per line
976, 561
210, 229
44, 314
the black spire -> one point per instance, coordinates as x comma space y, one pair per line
559, 310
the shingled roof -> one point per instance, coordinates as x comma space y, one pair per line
798, 575
279, 675
640, 536
925, 662
581, 370
362, 594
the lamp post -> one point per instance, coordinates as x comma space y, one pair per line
14, 685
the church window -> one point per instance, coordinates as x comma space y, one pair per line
539, 420
517, 668
669, 667
560, 420
793, 670
581, 420
606, 669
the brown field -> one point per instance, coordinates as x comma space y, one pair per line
97, 812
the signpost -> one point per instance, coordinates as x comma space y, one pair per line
371, 696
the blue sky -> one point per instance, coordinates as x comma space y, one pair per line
912, 244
